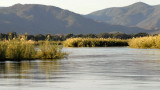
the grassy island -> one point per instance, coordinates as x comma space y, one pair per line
29, 50
94, 42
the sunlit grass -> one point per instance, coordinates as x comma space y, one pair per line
49, 50
145, 42
94, 42
20, 50
25, 50
51, 42
3, 49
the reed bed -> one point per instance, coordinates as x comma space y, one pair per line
49, 50
26, 50
51, 42
145, 42
3, 49
94, 42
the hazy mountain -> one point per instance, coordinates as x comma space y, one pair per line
43, 19
138, 14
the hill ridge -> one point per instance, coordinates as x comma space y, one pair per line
36, 18
138, 15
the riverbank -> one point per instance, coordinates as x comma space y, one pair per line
94, 42
22, 49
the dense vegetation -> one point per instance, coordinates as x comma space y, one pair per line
61, 37
94, 42
20, 49
145, 42
27, 47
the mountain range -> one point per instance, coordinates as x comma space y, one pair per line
42, 19
136, 15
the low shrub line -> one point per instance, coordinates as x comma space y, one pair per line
94, 42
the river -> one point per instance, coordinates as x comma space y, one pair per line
110, 68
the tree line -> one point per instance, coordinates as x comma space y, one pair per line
62, 37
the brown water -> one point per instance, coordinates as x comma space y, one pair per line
116, 68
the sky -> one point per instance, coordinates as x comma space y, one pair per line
80, 6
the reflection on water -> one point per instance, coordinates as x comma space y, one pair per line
28, 69
86, 68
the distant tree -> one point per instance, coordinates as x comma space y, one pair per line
121, 35
3, 36
141, 34
30, 37
69, 36
91, 35
155, 34
61, 37
39, 37
80, 35
12, 35
103, 35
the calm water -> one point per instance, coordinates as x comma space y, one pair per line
86, 69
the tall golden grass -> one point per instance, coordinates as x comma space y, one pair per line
94, 42
3, 49
51, 42
25, 50
17, 50
145, 42
49, 50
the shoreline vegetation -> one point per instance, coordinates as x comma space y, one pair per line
148, 42
63, 37
19, 49
94, 42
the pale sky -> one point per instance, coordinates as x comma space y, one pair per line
80, 6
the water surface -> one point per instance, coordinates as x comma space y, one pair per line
115, 68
